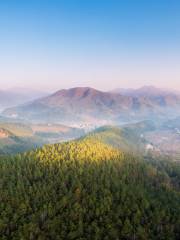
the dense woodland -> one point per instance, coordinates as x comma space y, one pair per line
87, 190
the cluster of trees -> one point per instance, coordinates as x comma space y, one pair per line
87, 190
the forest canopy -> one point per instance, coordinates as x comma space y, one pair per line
86, 190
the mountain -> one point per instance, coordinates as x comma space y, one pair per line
15, 96
85, 104
74, 104
86, 189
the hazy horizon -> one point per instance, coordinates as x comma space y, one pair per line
54, 89
50, 45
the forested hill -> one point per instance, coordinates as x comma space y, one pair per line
88, 190
125, 138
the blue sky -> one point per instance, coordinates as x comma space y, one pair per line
106, 44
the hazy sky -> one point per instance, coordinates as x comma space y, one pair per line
52, 44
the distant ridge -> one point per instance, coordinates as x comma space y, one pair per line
145, 91
16, 96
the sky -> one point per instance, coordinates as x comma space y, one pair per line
106, 44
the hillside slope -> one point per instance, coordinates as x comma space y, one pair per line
18, 137
123, 138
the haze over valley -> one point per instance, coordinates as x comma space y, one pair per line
71, 113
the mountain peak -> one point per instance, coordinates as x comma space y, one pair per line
77, 92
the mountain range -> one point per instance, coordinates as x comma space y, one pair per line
146, 91
85, 104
